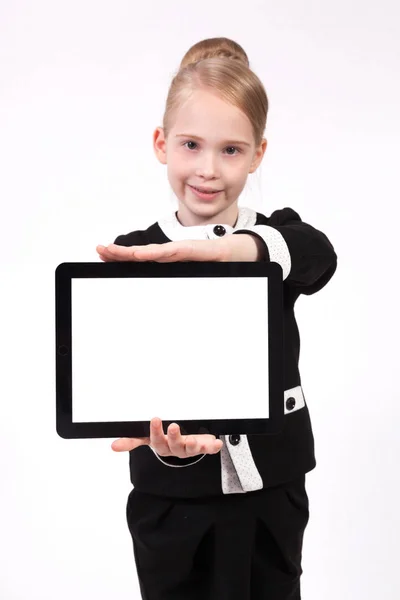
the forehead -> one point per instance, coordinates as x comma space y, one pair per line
207, 115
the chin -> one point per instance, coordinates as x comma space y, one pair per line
206, 210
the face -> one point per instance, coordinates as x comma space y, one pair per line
210, 145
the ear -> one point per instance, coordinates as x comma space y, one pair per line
160, 145
258, 155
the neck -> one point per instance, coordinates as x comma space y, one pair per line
229, 216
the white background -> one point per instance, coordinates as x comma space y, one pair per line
83, 86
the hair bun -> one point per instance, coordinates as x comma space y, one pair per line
220, 65
214, 48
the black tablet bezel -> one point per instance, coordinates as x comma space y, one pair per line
65, 272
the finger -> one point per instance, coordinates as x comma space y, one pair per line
118, 253
103, 250
176, 441
105, 254
218, 445
169, 252
128, 444
104, 259
157, 252
193, 446
158, 439
148, 251
202, 444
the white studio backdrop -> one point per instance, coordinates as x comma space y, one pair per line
83, 86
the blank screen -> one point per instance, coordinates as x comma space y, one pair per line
176, 348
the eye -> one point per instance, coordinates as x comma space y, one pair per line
228, 147
234, 148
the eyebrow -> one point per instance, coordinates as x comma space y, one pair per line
196, 137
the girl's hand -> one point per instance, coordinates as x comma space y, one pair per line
231, 248
172, 444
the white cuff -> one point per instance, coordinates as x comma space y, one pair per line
277, 247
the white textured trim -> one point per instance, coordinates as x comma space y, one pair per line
297, 394
246, 469
277, 247
229, 478
175, 231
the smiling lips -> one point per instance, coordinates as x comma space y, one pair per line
207, 190
205, 195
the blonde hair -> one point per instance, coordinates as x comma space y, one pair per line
221, 65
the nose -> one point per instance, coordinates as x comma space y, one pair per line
207, 166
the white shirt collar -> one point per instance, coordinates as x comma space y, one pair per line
175, 231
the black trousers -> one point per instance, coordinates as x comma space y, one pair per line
229, 547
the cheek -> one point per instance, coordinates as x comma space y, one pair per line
179, 169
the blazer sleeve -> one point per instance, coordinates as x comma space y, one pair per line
135, 238
306, 255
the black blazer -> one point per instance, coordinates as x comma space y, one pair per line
248, 463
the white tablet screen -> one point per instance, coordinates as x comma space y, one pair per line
177, 348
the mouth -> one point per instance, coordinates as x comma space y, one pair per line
204, 189
204, 193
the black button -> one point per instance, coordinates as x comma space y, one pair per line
234, 439
290, 403
219, 230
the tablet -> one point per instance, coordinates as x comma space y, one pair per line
199, 344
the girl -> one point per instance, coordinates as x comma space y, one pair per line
223, 518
